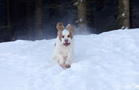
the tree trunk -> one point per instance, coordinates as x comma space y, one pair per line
8, 22
39, 25
124, 14
30, 20
82, 15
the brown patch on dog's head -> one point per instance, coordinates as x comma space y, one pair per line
60, 28
71, 29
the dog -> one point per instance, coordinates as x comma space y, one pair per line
63, 52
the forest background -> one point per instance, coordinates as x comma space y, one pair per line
37, 19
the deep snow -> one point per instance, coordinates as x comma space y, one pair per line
108, 61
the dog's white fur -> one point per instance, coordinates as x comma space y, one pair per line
63, 52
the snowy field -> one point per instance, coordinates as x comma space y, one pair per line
108, 61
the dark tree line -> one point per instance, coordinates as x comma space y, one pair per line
36, 19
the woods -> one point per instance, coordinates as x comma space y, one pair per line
36, 19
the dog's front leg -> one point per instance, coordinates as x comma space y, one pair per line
69, 61
61, 61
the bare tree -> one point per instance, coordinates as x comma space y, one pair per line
8, 21
39, 25
81, 4
124, 15
29, 19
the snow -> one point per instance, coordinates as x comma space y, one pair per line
123, 15
76, 3
80, 20
108, 61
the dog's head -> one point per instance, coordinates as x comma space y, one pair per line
65, 34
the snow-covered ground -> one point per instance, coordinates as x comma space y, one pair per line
108, 61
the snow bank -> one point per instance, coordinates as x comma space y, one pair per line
108, 61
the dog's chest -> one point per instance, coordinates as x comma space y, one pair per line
65, 50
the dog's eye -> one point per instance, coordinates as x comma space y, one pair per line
62, 36
68, 36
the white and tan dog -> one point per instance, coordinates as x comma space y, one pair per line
63, 52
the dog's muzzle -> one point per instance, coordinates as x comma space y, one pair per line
66, 44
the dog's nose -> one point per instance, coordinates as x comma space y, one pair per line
66, 41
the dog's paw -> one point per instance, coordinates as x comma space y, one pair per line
67, 66
62, 65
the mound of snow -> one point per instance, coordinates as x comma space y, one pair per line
108, 61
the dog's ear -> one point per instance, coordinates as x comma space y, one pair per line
70, 28
60, 26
